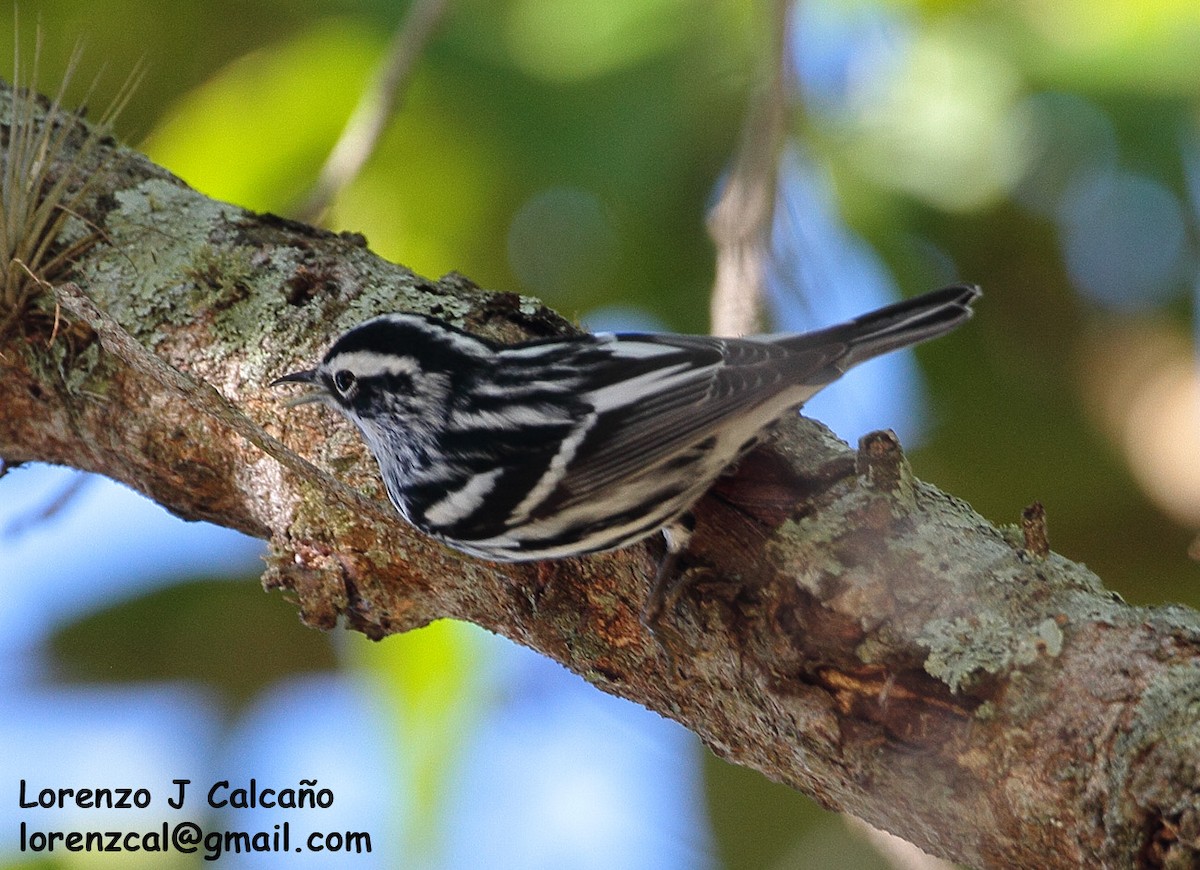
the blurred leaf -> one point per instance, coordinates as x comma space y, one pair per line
758, 823
257, 132
429, 194
1149, 45
430, 677
943, 127
228, 635
570, 41
36, 864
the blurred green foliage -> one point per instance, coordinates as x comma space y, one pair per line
431, 678
231, 637
568, 149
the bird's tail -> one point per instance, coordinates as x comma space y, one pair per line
886, 329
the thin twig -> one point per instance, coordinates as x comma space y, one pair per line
740, 222
375, 108
740, 227
51, 509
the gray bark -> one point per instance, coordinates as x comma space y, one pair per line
849, 630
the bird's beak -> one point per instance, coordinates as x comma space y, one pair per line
308, 376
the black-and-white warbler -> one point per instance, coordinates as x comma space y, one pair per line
574, 445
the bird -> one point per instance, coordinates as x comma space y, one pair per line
565, 446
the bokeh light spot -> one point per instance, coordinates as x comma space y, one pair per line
1123, 239
564, 42
1069, 137
562, 246
939, 127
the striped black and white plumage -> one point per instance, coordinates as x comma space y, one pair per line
574, 445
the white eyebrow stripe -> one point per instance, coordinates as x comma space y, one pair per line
366, 363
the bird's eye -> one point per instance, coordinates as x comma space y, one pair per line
344, 381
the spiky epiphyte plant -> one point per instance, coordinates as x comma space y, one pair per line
48, 166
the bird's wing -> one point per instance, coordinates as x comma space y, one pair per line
654, 396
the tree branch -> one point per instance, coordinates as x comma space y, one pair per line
850, 630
